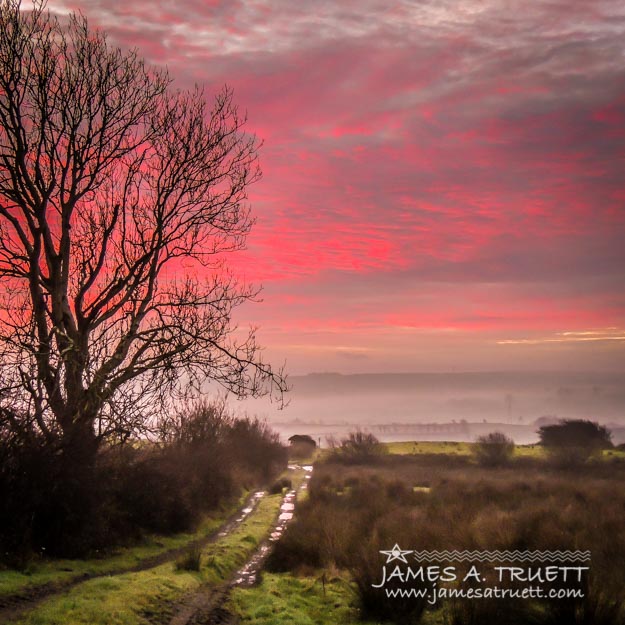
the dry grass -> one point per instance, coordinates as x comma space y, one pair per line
354, 511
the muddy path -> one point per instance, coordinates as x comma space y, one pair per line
208, 605
14, 605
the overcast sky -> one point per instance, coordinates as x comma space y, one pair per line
444, 181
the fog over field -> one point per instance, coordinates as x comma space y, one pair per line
408, 406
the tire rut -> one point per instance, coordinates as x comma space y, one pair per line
209, 605
14, 605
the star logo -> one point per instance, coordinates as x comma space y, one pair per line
396, 554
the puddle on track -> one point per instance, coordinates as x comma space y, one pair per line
248, 574
251, 506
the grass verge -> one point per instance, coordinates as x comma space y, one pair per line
139, 598
283, 599
41, 572
321, 599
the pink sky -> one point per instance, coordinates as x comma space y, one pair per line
443, 181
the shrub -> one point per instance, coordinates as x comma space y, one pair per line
481, 611
203, 457
256, 447
358, 448
573, 441
279, 485
494, 449
374, 602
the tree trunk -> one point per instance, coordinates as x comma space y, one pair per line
79, 446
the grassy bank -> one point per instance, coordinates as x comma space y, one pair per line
282, 599
42, 571
149, 596
322, 598
139, 598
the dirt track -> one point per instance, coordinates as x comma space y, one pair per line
208, 605
14, 605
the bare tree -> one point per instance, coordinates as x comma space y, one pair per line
119, 199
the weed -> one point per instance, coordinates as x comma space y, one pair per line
191, 560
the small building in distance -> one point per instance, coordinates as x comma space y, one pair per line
301, 445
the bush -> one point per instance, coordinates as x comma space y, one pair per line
375, 603
574, 441
56, 505
481, 611
279, 485
358, 448
494, 449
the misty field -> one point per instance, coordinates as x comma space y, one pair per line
429, 499
362, 500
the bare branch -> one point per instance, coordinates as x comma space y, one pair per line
120, 200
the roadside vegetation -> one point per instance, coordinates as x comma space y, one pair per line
323, 599
152, 595
436, 501
201, 461
43, 571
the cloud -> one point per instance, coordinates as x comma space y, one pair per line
609, 334
426, 164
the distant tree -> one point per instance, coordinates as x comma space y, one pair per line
303, 438
574, 440
119, 197
301, 446
494, 449
359, 447
546, 420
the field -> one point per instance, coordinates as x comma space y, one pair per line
420, 496
426, 496
466, 449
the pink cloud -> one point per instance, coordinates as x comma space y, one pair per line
409, 150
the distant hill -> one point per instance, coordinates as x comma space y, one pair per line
515, 398
329, 383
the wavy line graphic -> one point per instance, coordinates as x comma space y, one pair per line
505, 556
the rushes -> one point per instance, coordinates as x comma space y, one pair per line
354, 511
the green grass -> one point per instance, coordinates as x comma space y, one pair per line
127, 599
315, 455
44, 571
283, 599
120, 600
613, 453
405, 448
286, 599
429, 447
